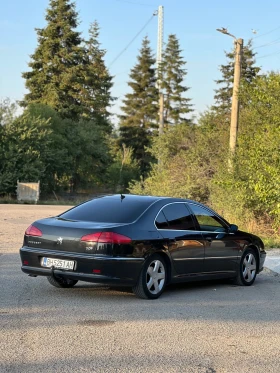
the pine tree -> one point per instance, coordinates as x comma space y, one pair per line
172, 75
140, 107
98, 80
56, 76
248, 72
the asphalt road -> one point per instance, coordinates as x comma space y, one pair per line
205, 327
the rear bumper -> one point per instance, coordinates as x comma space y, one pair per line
113, 270
78, 276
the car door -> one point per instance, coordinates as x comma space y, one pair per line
221, 246
185, 243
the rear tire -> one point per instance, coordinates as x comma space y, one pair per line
60, 282
247, 270
152, 279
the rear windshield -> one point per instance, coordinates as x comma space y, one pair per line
109, 210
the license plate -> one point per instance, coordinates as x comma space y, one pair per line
58, 263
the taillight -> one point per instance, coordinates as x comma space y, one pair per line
106, 237
33, 231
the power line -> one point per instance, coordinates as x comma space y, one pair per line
135, 37
267, 44
271, 54
266, 33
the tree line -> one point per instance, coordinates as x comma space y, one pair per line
65, 137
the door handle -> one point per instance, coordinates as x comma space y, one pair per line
209, 239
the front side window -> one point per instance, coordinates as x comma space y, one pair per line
206, 219
175, 217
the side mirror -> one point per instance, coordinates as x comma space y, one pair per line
233, 228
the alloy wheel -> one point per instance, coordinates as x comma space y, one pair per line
249, 267
155, 277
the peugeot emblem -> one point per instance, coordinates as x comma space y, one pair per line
59, 240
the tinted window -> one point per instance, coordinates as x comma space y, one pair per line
110, 209
178, 217
161, 222
206, 219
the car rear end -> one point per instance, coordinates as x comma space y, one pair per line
74, 246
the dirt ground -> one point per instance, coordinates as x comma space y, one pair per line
14, 219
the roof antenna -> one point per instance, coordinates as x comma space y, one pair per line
122, 197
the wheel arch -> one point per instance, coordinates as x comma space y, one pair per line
167, 260
165, 256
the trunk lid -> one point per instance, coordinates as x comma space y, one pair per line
65, 235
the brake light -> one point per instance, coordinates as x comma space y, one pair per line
33, 231
106, 237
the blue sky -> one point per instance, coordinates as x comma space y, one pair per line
194, 22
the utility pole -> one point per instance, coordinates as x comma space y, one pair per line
161, 113
235, 101
238, 50
159, 60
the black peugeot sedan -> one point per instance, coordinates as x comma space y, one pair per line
144, 242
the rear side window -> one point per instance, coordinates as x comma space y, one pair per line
177, 217
161, 222
110, 209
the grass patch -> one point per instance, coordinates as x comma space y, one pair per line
60, 202
271, 242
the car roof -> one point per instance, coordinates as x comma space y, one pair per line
154, 199
146, 198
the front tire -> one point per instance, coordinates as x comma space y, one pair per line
152, 280
247, 270
60, 282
